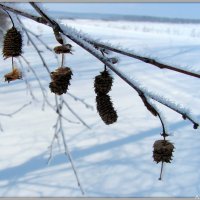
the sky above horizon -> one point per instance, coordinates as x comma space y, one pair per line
180, 10
173, 10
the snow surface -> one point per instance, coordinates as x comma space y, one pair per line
115, 160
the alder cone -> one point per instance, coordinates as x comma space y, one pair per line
60, 80
106, 109
67, 48
14, 75
163, 151
103, 82
12, 46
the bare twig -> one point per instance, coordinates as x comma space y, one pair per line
81, 100
42, 42
55, 136
34, 45
75, 114
16, 111
9, 17
39, 82
155, 111
67, 152
28, 85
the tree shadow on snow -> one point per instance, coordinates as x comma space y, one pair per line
14, 175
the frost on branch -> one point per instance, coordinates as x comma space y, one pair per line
61, 76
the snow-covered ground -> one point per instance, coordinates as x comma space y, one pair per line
115, 160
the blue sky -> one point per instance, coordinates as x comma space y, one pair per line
181, 10
173, 10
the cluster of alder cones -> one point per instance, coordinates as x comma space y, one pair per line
61, 76
102, 85
163, 149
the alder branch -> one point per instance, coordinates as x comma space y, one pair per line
147, 60
94, 48
24, 14
88, 47
127, 80
67, 152
81, 43
101, 45
155, 111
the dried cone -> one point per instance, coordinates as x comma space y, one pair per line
67, 48
12, 46
14, 75
163, 151
103, 82
106, 109
60, 80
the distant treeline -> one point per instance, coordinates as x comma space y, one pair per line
114, 17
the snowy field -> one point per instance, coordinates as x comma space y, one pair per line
115, 160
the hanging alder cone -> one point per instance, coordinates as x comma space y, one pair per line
67, 48
60, 80
106, 109
14, 75
12, 46
163, 151
103, 82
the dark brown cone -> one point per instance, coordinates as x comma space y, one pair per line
106, 109
14, 75
63, 49
12, 46
60, 80
163, 151
103, 83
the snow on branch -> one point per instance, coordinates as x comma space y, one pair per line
22, 13
96, 43
149, 60
74, 35
100, 51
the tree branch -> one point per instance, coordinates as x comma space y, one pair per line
143, 59
73, 35
34, 45
67, 152
16, 111
24, 14
81, 100
75, 114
